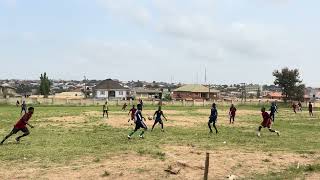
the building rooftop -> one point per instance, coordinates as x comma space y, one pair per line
110, 84
195, 88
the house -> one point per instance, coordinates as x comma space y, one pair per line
142, 93
110, 89
7, 91
252, 88
274, 95
195, 92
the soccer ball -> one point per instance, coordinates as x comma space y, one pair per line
149, 118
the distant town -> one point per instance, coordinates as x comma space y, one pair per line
112, 89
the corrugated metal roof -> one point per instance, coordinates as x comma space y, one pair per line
143, 90
110, 84
195, 88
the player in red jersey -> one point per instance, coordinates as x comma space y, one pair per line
232, 113
266, 123
21, 125
133, 111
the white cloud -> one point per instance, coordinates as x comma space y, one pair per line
190, 33
128, 10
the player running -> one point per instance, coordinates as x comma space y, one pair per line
133, 112
124, 107
266, 123
310, 109
299, 106
157, 118
273, 111
213, 118
294, 107
139, 122
232, 113
21, 126
23, 107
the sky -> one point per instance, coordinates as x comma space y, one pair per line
236, 41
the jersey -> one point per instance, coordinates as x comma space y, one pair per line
266, 120
23, 121
233, 111
273, 109
24, 106
214, 113
158, 115
138, 116
133, 112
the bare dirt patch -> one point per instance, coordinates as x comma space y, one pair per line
314, 176
121, 121
187, 161
75, 119
232, 162
64, 121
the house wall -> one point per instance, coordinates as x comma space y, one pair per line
193, 95
121, 94
100, 93
186, 95
118, 93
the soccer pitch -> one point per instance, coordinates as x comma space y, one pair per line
77, 143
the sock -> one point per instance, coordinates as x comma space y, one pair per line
141, 134
271, 130
215, 128
23, 135
210, 127
132, 133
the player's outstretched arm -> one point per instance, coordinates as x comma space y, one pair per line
164, 117
30, 125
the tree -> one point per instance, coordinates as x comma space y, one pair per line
23, 89
44, 85
289, 81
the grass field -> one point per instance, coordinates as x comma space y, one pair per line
77, 143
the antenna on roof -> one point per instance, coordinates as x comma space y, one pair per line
197, 78
205, 75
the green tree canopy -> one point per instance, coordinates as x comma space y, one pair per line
289, 81
44, 85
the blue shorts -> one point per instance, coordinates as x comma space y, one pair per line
140, 124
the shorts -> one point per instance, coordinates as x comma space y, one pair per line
16, 130
140, 124
212, 120
158, 121
266, 124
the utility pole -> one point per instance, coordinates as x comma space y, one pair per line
85, 87
205, 75
244, 93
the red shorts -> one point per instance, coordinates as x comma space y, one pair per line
266, 123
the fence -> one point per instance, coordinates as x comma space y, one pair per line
95, 102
